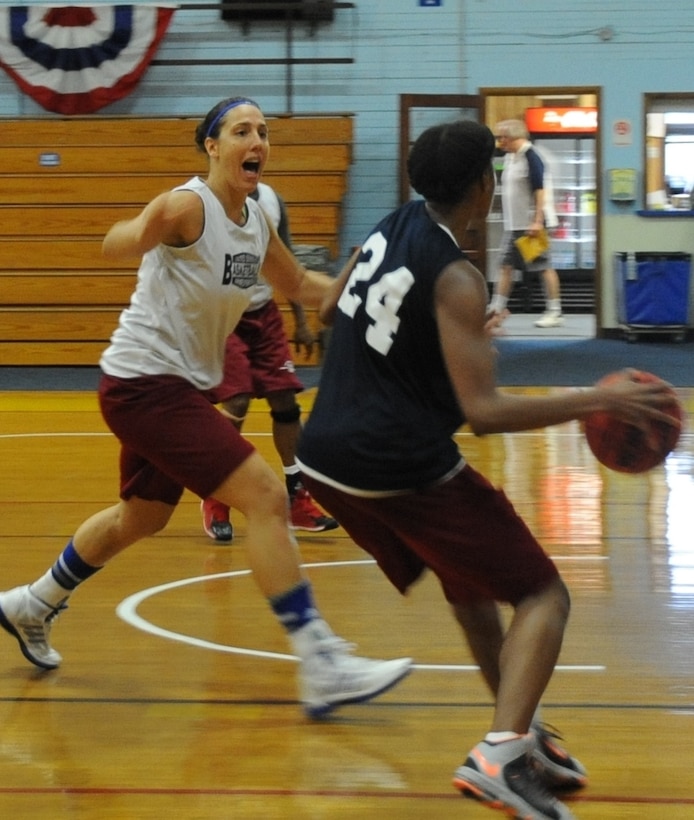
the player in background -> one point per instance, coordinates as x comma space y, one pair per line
258, 364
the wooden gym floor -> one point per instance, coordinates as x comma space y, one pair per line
177, 695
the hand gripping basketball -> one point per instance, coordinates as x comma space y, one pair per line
625, 447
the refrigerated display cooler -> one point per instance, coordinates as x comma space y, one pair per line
567, 137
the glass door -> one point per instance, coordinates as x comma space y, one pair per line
572, 161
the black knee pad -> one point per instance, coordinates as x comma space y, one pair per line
286, 416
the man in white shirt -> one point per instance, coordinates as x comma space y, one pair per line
528, 209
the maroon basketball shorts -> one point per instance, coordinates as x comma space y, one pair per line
465, 531
257, 359
171, 437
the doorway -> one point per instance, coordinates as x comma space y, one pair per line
577, 182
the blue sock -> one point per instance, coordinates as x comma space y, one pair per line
70, 570
295, 608
61, 579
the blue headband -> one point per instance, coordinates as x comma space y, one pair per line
242, 101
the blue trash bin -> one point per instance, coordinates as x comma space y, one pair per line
654, 288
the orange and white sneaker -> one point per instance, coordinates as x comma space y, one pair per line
555, 765
215, 520
503, 776
304, 515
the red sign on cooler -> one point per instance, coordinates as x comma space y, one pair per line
561, 120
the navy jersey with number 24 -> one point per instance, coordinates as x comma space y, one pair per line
385, 411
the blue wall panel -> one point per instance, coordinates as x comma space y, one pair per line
624, 47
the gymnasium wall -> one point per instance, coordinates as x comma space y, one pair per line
626, 47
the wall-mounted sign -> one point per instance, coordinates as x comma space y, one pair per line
49, 159
561, 120
622, 132
622, 184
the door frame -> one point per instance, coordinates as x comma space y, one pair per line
475, 243
408, 101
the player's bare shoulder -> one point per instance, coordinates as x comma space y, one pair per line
181, 216
461, 279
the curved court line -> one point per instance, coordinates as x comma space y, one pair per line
127, 611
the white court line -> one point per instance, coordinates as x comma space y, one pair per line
127, 611
462, 434
52, 435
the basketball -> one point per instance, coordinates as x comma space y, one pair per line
624, 447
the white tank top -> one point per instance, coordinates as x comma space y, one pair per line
188, 300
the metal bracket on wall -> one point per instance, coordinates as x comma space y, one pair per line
288, 60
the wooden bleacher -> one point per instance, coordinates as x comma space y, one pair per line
64, 182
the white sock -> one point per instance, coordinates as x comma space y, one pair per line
498, 303
49, 591
308, 637
554, 305
500, 737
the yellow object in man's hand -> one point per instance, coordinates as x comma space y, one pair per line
530, 247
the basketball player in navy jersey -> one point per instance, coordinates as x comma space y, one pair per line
411, 359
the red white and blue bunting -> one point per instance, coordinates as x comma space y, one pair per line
78, 59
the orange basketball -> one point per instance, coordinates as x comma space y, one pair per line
624, 447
